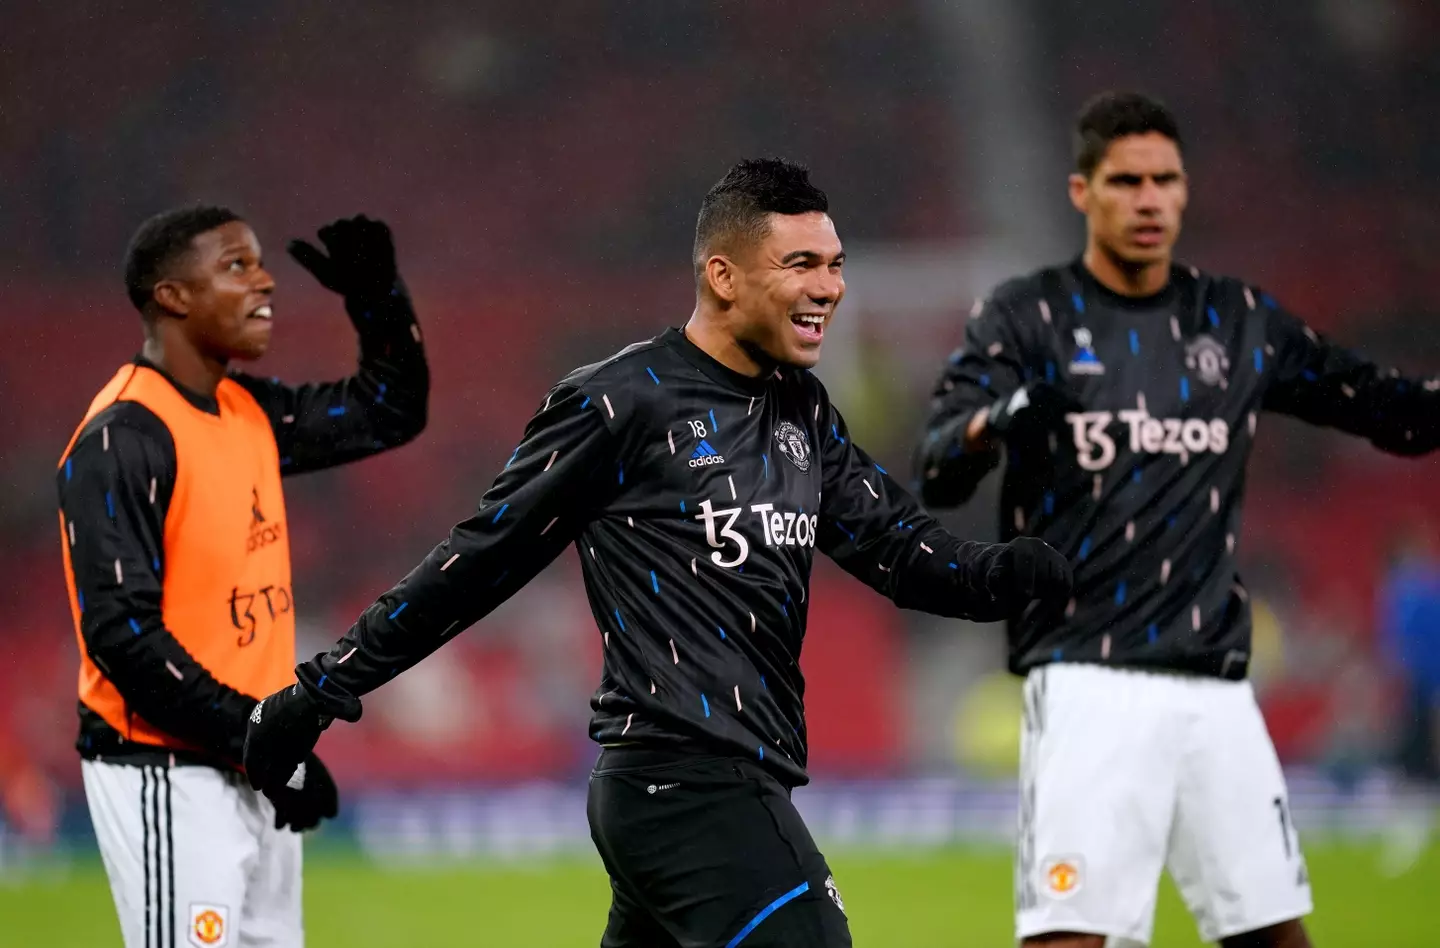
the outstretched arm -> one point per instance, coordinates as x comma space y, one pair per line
1317, 381
879, 534
384, 404
540, 502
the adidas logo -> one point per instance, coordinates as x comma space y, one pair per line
705, 455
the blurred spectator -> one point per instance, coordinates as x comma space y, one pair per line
1409, 625
28, 803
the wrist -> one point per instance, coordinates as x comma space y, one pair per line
326, 696
379, 293
382, 315
999, 567
232, 723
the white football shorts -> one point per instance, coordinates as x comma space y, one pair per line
194, 858
1124, 773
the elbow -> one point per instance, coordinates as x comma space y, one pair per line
939, 487
934, 496
413, 424
399, 435
406, 420
118, 666
109, 647
925, 470
948, 475
944, 486
419, 414
938, 493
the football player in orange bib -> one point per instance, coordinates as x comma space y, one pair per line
177, 560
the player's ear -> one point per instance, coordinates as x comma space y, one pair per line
722, 276
173, 297
1080, 192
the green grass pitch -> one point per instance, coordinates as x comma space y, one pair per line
956, 897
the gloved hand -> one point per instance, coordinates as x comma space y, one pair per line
1034, 408
283, 731
307, 798
1030, 570
361, 261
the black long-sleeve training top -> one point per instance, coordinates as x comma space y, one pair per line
1141, 488
124, 462
695, 497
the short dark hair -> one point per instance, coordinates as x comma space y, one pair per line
161, 241
1112, 115
736, 209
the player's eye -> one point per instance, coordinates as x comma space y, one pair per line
236, 266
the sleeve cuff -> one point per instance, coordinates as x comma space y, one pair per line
328, 695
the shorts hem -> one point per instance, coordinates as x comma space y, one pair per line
1250, 925
1023, 931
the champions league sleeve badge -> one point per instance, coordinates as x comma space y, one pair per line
791, 441
1086, 362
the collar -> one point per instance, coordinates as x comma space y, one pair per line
1096, 290
748, 384
205, 403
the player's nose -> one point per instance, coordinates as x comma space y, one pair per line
1149, 196
264, 282
828, 288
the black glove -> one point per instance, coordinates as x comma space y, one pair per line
284, 728
361, 261
1029, 571
307, 798
1038, 407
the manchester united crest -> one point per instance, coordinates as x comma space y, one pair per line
790, 441
207, 926
1207, 358
1063, 876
